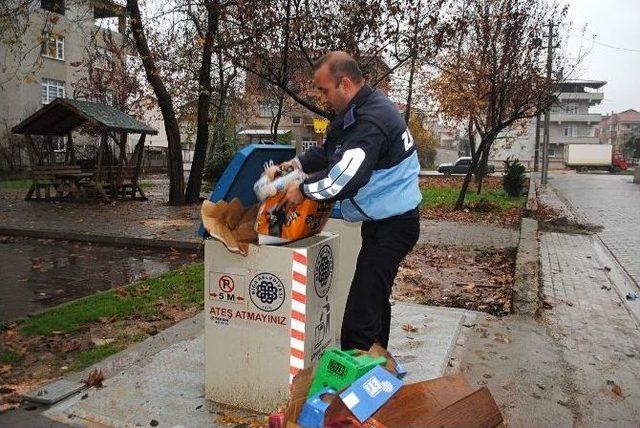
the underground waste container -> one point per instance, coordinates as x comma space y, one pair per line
268, 315
273, 312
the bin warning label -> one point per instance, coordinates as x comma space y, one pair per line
227, 288
266, 292
223, 315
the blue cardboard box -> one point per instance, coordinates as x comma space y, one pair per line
367, 394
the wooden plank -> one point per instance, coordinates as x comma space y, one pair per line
425, 397
478, 410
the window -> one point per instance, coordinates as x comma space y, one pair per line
552, 153
296, 120
571, 109
570, 131
59, 144
267, 109
307, 144
104, 58
109, 97
51, 89
52, 46
56, 6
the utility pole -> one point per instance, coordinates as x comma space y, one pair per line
536, 155
545, 146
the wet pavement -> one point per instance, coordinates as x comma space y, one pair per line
153, 219
40, 273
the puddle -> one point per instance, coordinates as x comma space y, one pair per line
40, 273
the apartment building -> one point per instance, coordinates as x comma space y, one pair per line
570, 122
617, 128
55, 42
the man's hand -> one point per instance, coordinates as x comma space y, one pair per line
292, 196
291, 164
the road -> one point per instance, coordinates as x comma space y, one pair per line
613, 202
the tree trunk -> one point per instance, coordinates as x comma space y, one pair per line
412, 68
484, 145
204, 102
407, 111
275, 121
472, 138
483, 168
176, 173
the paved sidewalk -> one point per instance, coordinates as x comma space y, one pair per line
168, 387
440, 232
612, 201
565, 368
151, 220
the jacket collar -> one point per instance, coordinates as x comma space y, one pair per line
347, 118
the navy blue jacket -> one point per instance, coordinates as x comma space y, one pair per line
368, 161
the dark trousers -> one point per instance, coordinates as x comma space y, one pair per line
367, 317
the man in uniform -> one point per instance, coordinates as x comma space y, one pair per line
369, 163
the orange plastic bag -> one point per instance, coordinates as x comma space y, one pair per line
277, 225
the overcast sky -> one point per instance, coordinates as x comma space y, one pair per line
615, 23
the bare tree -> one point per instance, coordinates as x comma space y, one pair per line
494, 75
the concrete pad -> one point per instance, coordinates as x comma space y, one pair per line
425, 353
170, 388
54, 392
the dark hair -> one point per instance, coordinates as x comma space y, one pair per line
341, 64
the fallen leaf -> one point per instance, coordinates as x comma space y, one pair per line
122, 293
469, 287
69, 346
100, 342
615, 388
95, 378
139, 291
108, 320
409, 328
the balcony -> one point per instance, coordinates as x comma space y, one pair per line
592, 97
574, 140
582, 118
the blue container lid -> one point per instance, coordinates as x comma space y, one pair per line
245, 169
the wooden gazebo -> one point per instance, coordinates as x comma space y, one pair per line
119, 177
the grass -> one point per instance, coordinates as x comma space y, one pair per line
15, 184
183, 286
447, 196
98, 353
10, 357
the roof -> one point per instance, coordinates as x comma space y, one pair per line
593, 84
262, 132
629, 115
63, 115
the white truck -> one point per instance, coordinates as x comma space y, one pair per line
592, 156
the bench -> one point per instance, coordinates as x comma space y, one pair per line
122, 181
48, 177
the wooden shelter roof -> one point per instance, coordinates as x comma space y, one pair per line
63, 115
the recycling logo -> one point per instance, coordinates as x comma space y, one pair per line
323, 271
266, 292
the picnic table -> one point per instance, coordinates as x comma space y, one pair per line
73, 183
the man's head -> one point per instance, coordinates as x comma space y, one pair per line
338, 78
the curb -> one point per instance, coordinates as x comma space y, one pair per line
102, 239
526, 280
531, 206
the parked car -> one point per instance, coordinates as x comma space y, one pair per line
461, 166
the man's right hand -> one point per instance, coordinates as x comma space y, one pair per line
291, 164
